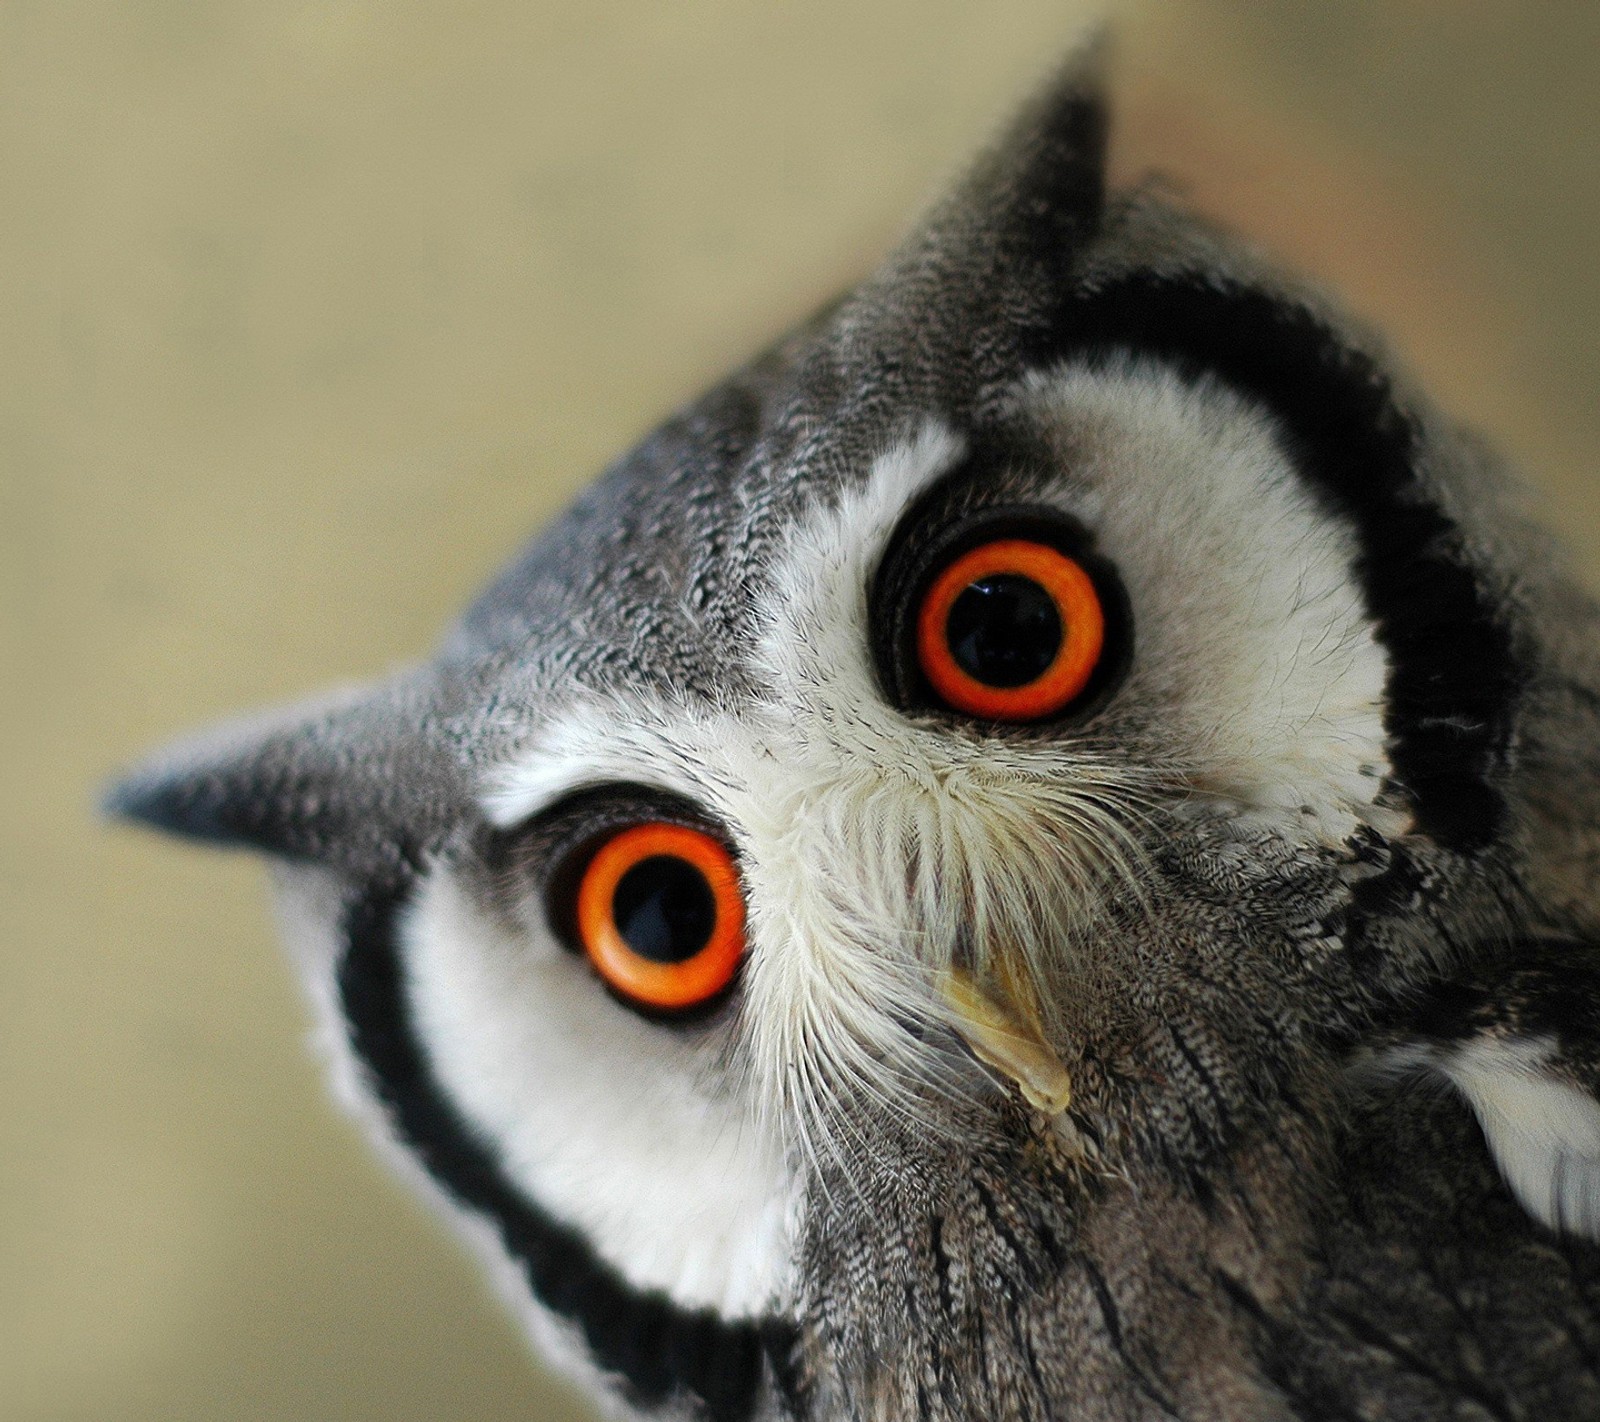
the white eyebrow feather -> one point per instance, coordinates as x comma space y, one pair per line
668, 745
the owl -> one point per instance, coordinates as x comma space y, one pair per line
1030, 855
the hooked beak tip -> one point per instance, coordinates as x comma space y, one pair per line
1008, 1038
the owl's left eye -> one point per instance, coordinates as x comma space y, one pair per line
660, 916
1008, 617
1011, 630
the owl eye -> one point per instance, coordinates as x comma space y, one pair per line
660, 915
1011, 630
1005, 615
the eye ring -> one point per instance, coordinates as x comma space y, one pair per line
682, 938
1069, 592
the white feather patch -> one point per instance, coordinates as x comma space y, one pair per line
609, 1122
309, 905
1544, 1132
1251, 632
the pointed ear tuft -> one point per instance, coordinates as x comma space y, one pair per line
964, 301
1037, 194
354, 782
1045, 181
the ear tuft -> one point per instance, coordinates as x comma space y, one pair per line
1037, 195
188, 803
1047, 178
353, 781
960, 306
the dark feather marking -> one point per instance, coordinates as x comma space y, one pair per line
997, 1221
941, 1264
1052, 1247
1025, 1349
1113, 1322
1368, 1333
1173, 1281
1207, 1081
1275, 1352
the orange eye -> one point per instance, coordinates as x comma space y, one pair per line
661, 915
1012, 630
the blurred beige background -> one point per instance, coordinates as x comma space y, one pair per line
310, 311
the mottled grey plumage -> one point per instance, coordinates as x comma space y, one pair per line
1290, 913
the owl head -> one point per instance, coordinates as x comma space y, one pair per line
872, 913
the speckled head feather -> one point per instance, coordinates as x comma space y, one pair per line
1200, 1046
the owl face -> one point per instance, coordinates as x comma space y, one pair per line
871, 907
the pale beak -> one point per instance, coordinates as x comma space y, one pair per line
1005, 1033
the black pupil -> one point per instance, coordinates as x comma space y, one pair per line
1004, 630
664, 909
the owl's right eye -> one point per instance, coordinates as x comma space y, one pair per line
659, 913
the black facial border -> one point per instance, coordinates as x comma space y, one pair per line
659, 1352
1454, 676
